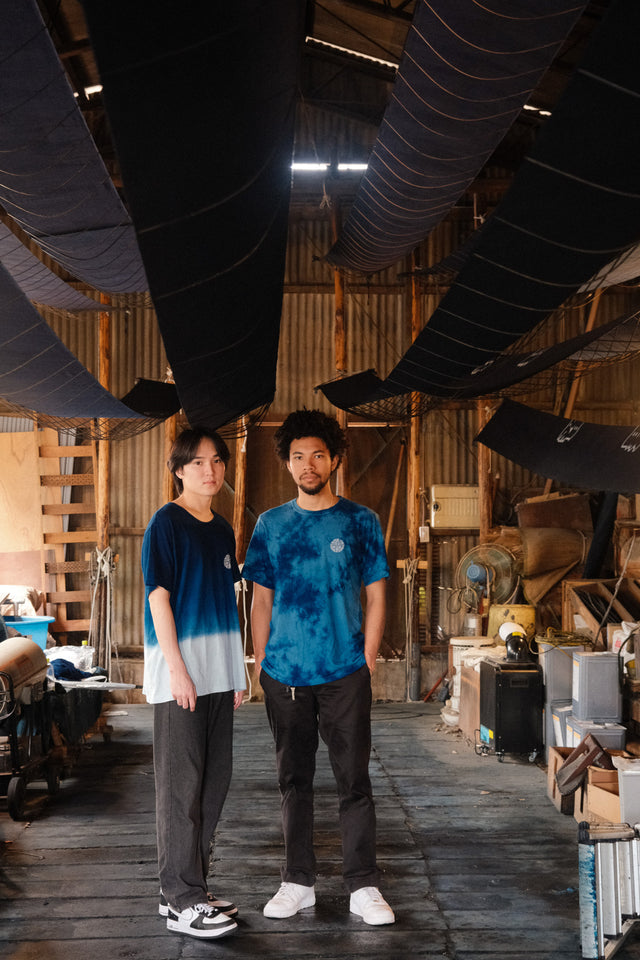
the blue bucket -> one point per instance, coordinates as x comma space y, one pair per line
34, 627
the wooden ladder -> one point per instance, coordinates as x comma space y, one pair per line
61, 542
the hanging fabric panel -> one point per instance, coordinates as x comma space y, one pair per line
205, 152
585, 455
53, 181
572, 208
466, 72
38, 372
37, 282
618, 338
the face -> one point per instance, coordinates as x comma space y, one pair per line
204, 475
310, 464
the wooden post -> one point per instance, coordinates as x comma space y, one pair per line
573, 392
240, 496
343, 481
413, 462
102, 473
104, 449
413, 502
394, 497
170, 433
485, 479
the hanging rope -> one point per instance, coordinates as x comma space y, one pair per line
409, 579
241, 592
102, 567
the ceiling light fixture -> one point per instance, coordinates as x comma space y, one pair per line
308, 167
352, 53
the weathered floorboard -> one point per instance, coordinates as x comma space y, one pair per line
476, 861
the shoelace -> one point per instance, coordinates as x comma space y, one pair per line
205, 908
374, 894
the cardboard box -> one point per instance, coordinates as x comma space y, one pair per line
469, 720
580, 804
557, 756
613, 796
603, 798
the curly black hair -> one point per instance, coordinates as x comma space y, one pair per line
311, 423
186, 445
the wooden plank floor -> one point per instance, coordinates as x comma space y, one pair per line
477, 862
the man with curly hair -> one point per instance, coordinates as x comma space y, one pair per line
308, 560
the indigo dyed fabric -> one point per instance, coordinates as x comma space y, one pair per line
195, 561
316, 562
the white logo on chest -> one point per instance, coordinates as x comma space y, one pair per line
227, 561
337, 545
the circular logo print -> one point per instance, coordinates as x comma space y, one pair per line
227, 562
337, 545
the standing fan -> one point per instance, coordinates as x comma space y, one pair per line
487, 571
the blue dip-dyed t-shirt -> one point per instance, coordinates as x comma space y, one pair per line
316, 561
196, 562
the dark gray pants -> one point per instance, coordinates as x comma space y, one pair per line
340, 711
192, 755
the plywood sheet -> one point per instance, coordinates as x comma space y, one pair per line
20, 508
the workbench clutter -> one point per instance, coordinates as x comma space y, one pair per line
18, 614
601, 788
497, 691
43, 719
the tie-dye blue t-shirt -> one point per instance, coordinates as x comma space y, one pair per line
196, 562
316, 561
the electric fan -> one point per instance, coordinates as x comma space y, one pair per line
487, 571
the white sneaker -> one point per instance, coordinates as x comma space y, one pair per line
368, 903
200, 920
290, 898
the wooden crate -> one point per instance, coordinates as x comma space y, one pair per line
578, 617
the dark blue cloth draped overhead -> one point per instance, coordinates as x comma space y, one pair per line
615, 339
205, 151
37, 282
586, 455
38, 372
53, 181
466, 72
573, 207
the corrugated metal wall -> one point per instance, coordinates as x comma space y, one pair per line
377, 317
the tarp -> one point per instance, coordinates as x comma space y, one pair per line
574, 205
466, 72
584, 455
205, 151
53, 181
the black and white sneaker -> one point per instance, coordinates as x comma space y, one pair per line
200, 920
224, 906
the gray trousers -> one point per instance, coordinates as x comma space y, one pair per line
192, 754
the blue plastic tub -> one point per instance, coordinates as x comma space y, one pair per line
34, 627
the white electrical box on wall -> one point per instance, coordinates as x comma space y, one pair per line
455, 506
